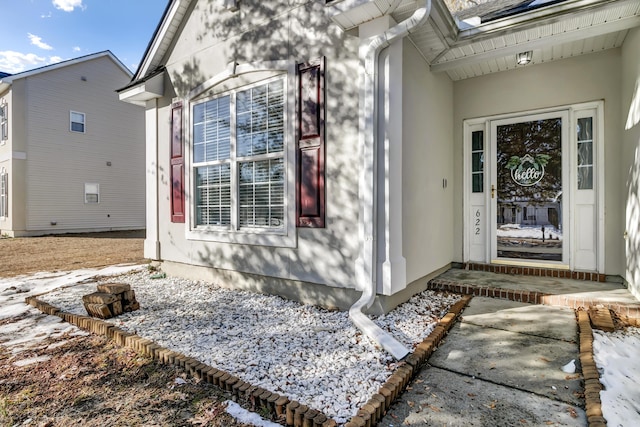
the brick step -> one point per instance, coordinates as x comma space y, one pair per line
601, 318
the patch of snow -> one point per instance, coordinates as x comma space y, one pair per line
570, 368
246, 417
519, 231
616, 356
31, 361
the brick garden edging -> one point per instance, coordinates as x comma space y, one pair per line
532, 297
289, 412
373, 411
592, 386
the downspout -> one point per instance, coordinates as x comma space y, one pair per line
366, 262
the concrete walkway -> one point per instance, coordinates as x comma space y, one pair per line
501, 365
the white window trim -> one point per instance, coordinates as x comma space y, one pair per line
4, 193
71, 122
4, 122
236, 77
87, 184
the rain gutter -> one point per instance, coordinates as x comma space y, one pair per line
366, 262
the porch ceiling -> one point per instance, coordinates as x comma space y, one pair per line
557, 31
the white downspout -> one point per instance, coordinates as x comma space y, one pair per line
366, 262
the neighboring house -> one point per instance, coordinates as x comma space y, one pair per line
71, 154
320, 149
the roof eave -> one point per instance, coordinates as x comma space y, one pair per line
146, 90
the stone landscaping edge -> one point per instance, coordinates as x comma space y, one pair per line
592, 385
289, 412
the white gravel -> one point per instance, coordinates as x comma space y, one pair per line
306, 353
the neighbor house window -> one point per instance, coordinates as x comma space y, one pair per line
4, 193
91, 193
77, 121
4, 122
238, 158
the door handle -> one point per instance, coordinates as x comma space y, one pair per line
493, 191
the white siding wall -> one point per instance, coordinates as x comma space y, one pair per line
630, 159
427, 161
60, 161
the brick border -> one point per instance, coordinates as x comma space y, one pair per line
592, 385
289, 412
373, 411
532, 297
534, 271
257, 398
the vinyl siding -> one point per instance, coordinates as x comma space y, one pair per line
60, 162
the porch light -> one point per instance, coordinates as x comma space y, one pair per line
523, 58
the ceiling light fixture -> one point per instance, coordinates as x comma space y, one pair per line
523, 58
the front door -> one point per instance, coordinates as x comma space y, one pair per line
529, 189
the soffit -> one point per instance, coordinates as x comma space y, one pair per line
555, 31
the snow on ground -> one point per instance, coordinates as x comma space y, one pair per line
306, 353
22, 327
519, 231
616, 356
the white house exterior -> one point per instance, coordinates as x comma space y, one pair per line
71, 154
326, 149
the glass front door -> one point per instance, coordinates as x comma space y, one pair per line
527, 193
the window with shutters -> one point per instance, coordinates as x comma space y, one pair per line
238, 159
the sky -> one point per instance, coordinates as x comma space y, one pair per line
35, 33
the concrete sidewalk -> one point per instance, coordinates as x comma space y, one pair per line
500, 366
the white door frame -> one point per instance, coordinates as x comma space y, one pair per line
479, 250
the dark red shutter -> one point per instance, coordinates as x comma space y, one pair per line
177, 164
311, 147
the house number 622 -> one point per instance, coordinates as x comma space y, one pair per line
477, 222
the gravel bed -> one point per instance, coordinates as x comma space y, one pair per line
309, 354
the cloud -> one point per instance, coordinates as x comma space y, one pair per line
54, 60
68, 5
76, 49
48, 15
16, 62
37, 41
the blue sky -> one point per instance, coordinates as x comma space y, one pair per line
35, 33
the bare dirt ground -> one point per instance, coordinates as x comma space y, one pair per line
24, 255
88, 380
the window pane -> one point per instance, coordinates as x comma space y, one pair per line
477, 182
585, 153
585, 177
213, 195
77, 127
77, 117
585, 131
477, 162
211, 130
261, 194
477, 142
260, 120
